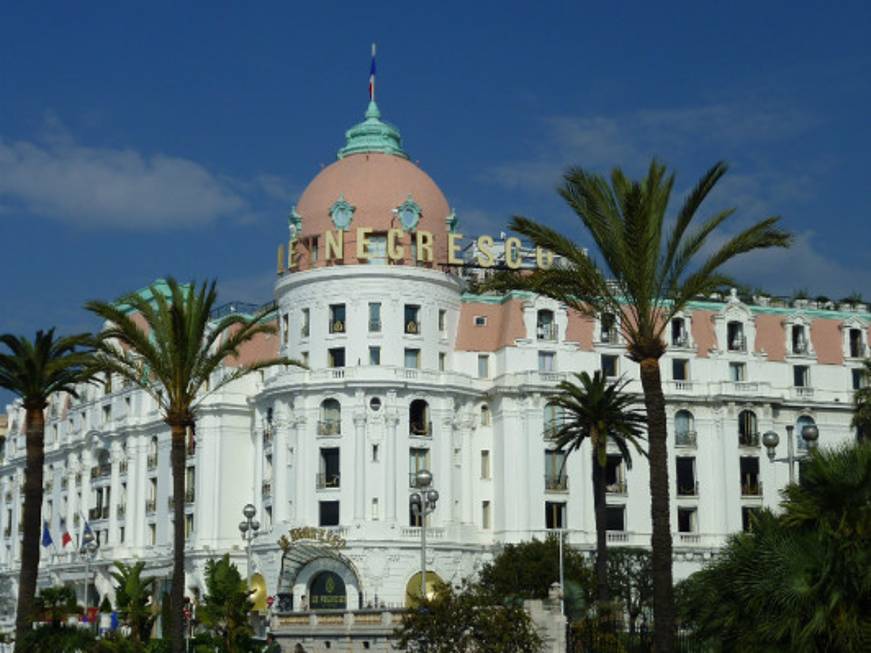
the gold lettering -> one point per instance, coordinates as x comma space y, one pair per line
335, 245
291, 254
395, 252
453, 248
543, 258
424, 246
280, 259
363, 242
485, 251
513, 259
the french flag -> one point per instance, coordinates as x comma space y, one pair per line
66, 538
372, 76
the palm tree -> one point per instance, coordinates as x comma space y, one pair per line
862, 404
647, 276
598, 411
798, 581
173, 357
133, 596
34, 370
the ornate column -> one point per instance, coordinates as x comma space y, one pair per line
472, 466
117, 455
392, 421
298, 505
73, 468
280, 442
359, 465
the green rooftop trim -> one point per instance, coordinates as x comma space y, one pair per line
373, 135
159, 285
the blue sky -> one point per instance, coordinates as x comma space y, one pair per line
152, 139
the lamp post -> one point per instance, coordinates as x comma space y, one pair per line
248, 527
423, 502
88, 552
810, 433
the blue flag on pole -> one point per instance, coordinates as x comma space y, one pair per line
46, 536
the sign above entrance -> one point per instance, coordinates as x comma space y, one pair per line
322, 536
327, 592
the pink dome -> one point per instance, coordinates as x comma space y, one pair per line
375, 184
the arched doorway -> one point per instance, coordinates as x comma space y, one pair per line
326, 591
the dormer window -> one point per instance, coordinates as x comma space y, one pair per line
545, 326
799, 339
608, 329
856, 347
679, 336
735, 336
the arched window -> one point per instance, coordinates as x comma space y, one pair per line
545, 326
485, 415
331, 418
552, 420
684, 429
800, 423
748, 431
152, 452
418, 418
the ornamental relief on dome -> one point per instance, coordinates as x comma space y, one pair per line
342, 212
408, 213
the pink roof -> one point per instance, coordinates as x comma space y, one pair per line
375, 184
704, 335
770, 337
504, 326
261, 347
826, 340
580, 329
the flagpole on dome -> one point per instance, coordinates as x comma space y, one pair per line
372, 77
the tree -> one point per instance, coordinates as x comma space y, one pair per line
527, 570
467, 620
133, 596
862, 404
598, 411
55, 604
630, 581
645, 277
172, 351
799, 581
34, 370
226, 606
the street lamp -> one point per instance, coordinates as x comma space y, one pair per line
423, 502
810, 433
248, 527
88, 551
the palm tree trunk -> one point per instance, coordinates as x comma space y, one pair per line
657, 435
176, 595
602, 594
35, 434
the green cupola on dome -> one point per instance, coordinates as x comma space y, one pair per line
373, 135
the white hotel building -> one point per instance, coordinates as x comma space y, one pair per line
408, 371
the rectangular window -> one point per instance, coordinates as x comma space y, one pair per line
485, 515
799, 339
337, 318
680, 369
418, 459
336, 357
152, 534
554, 514
313, 250
687, 486
188, 525
609, 366
375, 317
375, 451
608, 328
686, 520
858, 375
329, 475
376, 511
857, 347
328, 513
412, 358
615, 474
483, 366
679, 333
480, 320
443, 321
737, 372
485, 464
442, 358
555, 478
121, 534
285, 327
546, 361
751, 486
304, 357
615, 518
377, 249
747, 515
801, 375
412, 319
735, 337
374, 355
306, 323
